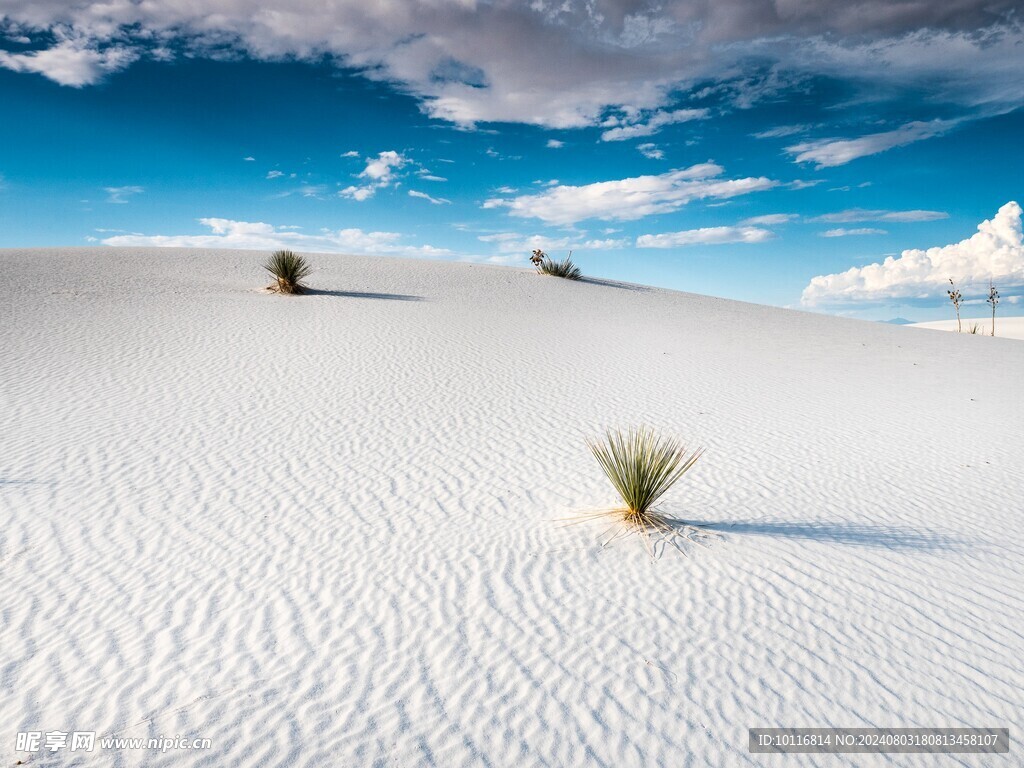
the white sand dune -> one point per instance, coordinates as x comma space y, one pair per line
1006, 327
321, 530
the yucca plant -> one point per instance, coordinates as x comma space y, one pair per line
289, 269
548, 266
642, 466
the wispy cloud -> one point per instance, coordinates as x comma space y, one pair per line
861, 214
631, 198
274, 174
634, 125
995, 252
782, 131
705, 236
227, 233
842, 232
827, 153
122, 195
424, 196
514, 242
554, 144
770, 219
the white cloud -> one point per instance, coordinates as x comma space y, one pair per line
249, 159
432, 177
226, 233
382, 168
70, 62
782, 131
860, 214
631, 126
770, 219
514, 242
554, 144
380, 173
350, 153
557, 64
843, 232
650, 151
629, 199
428, 198
122, 194
274, 174
995, 252
828, 153
705, 236
804, 183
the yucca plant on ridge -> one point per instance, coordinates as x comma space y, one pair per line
642, 466
289, 270
547, 266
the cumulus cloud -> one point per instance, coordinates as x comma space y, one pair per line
843, 232
226, 233
554, 144
557, 64
274, 174
379, 173
995, 252
631, 198
121, 195
632, 126
827, 153
705, 236
70, 62
861, 214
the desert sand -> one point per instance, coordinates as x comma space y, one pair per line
324, 530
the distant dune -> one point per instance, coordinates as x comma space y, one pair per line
326, 530
1006, 327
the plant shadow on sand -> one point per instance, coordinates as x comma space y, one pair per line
856, 534
363, 295
615, 284
682, 535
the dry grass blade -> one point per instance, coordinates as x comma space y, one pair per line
642, 467
289, 269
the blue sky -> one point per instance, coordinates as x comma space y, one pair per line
663, 144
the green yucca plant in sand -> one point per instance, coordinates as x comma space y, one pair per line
642, 466
547, 266
289, 269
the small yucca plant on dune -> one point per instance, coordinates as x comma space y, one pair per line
547, 266
289, 269
642, 466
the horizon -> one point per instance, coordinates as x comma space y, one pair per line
839, 165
